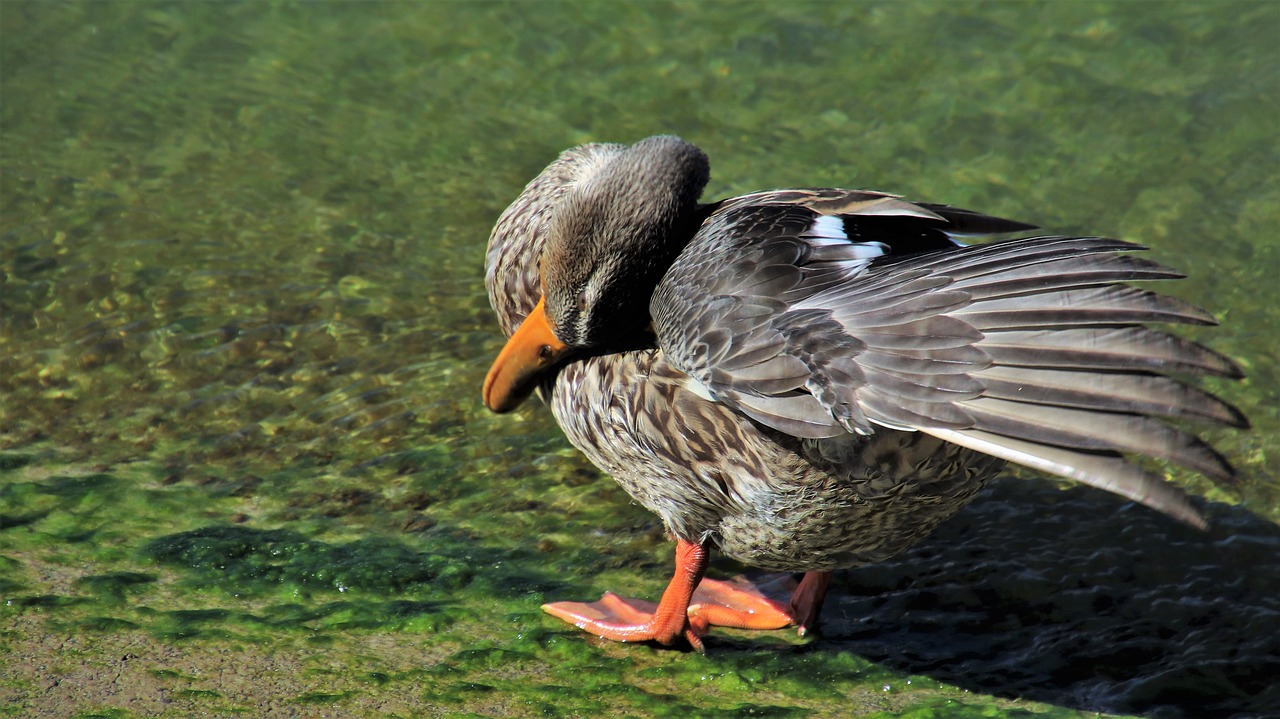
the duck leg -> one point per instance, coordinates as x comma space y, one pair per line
806, 600
690, 606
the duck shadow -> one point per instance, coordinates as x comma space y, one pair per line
1074, 598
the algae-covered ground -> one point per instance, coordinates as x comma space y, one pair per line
244, 469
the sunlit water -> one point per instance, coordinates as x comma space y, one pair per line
243, 329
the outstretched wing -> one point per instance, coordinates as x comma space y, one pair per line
819, 315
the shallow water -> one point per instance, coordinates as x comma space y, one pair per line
243, 464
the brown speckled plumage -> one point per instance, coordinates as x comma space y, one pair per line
758, 495
828, 375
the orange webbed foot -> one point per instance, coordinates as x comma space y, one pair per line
690, 606
635, 620
624, 619
772, 601
741, 603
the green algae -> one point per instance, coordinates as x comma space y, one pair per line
243, 560
242, 330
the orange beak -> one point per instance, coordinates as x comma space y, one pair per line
532, 350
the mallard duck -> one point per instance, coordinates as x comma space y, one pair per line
808, 380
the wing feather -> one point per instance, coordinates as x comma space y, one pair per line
1033, 349
1105, 348
1104, 470
1108, 392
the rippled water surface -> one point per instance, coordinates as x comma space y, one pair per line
243, 462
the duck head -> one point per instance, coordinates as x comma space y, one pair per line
609, 238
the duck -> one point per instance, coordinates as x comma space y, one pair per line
807, 380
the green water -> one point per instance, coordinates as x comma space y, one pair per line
244, 468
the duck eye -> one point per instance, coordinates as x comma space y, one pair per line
582, 301
545, 352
